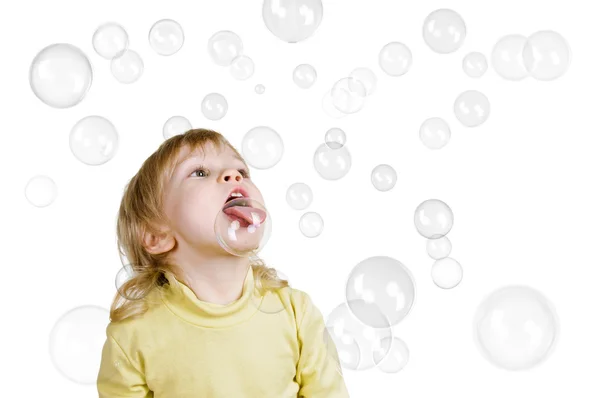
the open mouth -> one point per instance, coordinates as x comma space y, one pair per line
242, 210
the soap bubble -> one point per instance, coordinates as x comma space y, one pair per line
60, 75
475, 64
434, 133
335, 138
41, 191
385, 282
243, 227
299, 196
242, 67
259, 89
166, 37
397, 356
225, 46
345, 325
329, 108
433, 219
76, 343
311, 224
128, 67
383, 177
444, 31
472, 108
344, 347
304, 75
94, 140
262, 147
516, 328
446, 273
507, 57
332, 164
292, 20
366, 77
176, 125
110, 40
348, 95
214, 106
546, 55
439, 248
395, 59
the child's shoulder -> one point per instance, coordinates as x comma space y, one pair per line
298, 300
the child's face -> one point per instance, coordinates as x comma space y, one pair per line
198, 190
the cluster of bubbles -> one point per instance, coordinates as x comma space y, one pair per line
433, 220
515, 327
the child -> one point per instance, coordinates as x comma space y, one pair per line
189, 322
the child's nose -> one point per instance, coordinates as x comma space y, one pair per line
230, 175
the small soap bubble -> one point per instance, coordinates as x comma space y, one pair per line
128, 67
214, 106
110, 40
472, 108
396, 358
166, 37
546, 55
328, 107
446, 273
299, 196
311, 224
332, 164
259, 89
94, 140
395, 59
439, 248
262, 147
384, 282
176, 125
225, 46
475, 64
304, 75
433, 219
507, 57
292, 20
348, 95
347, 325
41, 191
516, 328
434, 133
366, 77
383, 177
335, 138
76, 343
60, 75
242, 67
444, 31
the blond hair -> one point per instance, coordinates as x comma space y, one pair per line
141, 210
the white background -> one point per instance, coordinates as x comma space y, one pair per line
523, 186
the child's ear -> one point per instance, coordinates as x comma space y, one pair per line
156, 244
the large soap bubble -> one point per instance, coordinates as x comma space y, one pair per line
60, 75
435, 133
348, 95
507, 57
76, 342
332, 164
262, 147
243, 226
299, 196
41, 191
516, 328
166, 37
176, 125
472, 108
385, 282
395, 59
214, 106
446, 273
292, 20
110, 40
546, 55
225, 46
304, 75
128, 67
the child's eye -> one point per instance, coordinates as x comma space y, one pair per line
203, 171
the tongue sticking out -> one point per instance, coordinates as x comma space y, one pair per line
246, 215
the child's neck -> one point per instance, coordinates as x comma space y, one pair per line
216, 279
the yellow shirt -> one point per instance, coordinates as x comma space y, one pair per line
256, 347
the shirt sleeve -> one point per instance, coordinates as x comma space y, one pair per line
118, 378
318, 373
